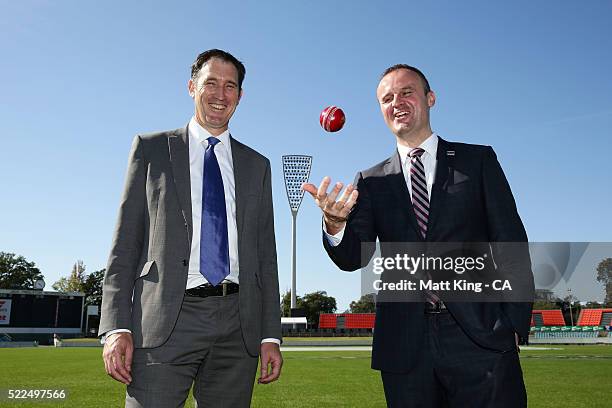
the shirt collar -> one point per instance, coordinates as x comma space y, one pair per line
430, 145
200, 134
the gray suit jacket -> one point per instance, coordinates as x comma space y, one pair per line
146, 273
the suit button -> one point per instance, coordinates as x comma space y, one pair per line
184, 262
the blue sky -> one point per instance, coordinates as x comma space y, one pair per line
79, 79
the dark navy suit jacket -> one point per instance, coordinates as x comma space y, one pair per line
471, 201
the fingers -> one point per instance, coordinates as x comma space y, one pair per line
263, 374
117, 357
330, 200
318, 193
129, 352
270, 369
331, 208
106, 364
276, 369
322, 191
119, 370
310, 188
111, 364
341, 203
271, 363
347, 193
352, 199
350, 203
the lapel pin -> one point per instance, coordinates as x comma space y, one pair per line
450, 152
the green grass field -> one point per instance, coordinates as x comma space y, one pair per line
576, 376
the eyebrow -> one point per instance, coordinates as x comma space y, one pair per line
215, 79
390, 92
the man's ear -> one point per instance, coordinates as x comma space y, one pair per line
431, 99
240, 96
191, 88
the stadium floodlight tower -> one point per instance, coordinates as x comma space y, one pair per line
296, 170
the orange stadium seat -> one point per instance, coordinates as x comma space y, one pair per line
359, 320
351, 320
549, 317
327, 321
590, 317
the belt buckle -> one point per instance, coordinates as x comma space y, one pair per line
224, 289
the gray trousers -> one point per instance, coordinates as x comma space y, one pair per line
205, 350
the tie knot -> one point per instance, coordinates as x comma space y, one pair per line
212, 141
418, 152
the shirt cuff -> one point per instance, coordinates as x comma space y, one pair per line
271, 340
108, 333
333, 240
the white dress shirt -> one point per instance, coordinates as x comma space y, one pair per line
428, 158
223, 151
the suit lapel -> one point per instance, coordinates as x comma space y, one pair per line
437, 192
241, 180
178, 146
397, 184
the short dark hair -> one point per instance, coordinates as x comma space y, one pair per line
204, 57
397, 67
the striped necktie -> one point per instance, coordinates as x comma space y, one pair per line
420, 203
420, 198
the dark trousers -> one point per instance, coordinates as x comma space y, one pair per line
455, 372
206, 351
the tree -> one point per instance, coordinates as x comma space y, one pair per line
593, 305
92, 286
544, 305
604, 276
316, 303
17, 273
313, 305
365, 304
570, 308
79, 281
74, 283
286, 304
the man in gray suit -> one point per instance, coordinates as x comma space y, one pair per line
191, 287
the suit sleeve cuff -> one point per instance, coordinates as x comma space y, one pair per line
333, 240
271, 340
108, 333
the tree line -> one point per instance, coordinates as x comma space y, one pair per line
16, 272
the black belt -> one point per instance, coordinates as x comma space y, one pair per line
435, 308
206, 290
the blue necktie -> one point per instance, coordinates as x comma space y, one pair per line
214, 247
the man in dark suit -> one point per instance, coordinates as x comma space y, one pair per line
433, 353
191, 288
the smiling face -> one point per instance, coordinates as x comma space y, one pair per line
215, 92
405, 106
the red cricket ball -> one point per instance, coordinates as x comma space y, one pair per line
332, 119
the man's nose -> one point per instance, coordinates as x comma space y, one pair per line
219, 92
396, 100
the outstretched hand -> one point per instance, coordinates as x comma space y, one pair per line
335, 213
